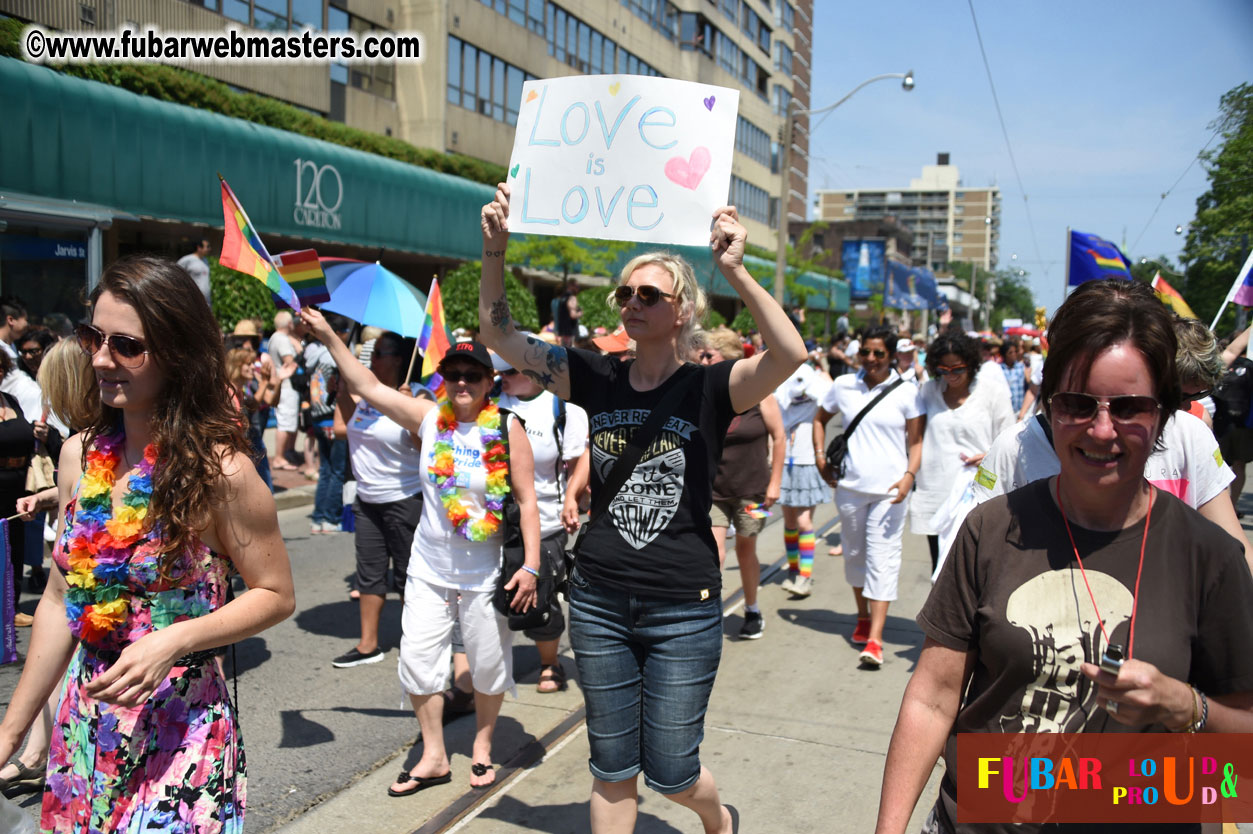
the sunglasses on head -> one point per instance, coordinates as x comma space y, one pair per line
647, 294
951, 370
1073, 407
1197, 395
126, 351
469, 377
878, 353
510, 372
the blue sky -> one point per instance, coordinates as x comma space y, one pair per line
1105, 103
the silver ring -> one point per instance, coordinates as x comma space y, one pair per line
1111, 707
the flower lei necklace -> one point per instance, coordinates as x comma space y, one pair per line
99, 544
443, 472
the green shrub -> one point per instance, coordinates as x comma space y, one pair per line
460, 292
237, 296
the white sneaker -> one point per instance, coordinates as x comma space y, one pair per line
803, 586
315, 528
789, 584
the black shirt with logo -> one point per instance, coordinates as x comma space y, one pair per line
657, 539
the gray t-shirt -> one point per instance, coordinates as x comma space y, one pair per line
1012, 592
198, 269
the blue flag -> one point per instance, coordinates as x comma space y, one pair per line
1094, 258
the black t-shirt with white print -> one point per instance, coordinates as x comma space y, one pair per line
657, 539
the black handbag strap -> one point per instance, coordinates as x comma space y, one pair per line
848, 431
640, 440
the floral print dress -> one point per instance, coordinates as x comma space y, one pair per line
176, 762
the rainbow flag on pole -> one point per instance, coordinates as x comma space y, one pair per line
243, 251
434, 341
303, 271
1171, 297
1093, 258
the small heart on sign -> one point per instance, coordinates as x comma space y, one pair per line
513, 172
688, 172
614, 88
531, 96
709, 103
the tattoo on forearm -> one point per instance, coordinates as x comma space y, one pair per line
500, 313
493, 253
544, 381
545, 361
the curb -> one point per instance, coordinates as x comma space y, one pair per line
300, 496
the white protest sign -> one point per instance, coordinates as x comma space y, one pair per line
621, 157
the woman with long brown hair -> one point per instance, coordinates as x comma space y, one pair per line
161, 504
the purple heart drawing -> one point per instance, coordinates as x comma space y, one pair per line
709, 103
688, 172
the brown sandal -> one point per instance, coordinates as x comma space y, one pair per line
557, 677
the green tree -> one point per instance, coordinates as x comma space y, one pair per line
1014, 298
460, 292
237, 296
1218, 237
596, 309
564, 255
743, 322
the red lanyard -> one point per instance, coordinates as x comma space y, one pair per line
1135, 597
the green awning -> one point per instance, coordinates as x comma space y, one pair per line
71, 139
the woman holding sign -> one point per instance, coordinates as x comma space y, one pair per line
645, 613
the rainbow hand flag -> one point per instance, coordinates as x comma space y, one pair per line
1093, 258
243, 251
434, 342
1171, 297
303, 271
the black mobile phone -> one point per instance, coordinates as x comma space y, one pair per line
1112, 658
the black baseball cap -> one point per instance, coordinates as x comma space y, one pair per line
471, 350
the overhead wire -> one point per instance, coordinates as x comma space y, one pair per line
987, 66
1174, 185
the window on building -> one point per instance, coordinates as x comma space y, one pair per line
752, 201
786, 17
696, 33
481, 82
959, 209
730, 8
754, 142
662, 15
236, 10
782, 58
306, 13
752, 25
378, 79
957, 250
211, 5
782, 98
582, 48
957, 235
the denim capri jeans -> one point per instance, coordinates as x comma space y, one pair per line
646, 667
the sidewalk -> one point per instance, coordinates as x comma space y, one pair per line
796, 733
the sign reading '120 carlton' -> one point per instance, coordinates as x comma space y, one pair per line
621, 157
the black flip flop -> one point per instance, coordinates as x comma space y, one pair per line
481, 770
735, 818
421, 783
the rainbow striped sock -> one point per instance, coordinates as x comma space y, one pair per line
806, 542
790, 537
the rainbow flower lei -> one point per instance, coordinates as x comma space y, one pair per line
495, 459
99, 544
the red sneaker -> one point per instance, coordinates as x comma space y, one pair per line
872, 655
862, 633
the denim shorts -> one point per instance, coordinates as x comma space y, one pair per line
646, 667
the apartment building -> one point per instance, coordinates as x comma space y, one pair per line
950, 221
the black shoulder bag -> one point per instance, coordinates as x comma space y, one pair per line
513, 557
837, 449
640, 440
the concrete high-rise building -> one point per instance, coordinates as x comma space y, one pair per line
950, 221
464, 96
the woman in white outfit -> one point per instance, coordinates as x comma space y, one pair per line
964, 415
455, 559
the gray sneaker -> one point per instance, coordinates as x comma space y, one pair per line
753, 626
803, 586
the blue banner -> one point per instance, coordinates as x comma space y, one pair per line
1094, 258
910, 288
23, 248
864, 267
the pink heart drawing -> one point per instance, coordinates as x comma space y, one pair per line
688, 172
709, 103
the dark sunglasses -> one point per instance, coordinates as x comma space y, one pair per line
31, 353
709, 354
469, 377
1073, 407
878, 354
647, 294
951, 370
127, 351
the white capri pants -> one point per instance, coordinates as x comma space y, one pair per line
426, 639
871, 530
287, 414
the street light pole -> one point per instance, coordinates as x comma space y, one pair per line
785, 168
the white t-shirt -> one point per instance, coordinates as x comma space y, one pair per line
198, 270
25, 390
967, 430
798, 399
1190, 467
877, 454
440, 555
387, 466
537, 415
281, 347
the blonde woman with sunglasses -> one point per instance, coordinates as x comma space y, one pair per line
645, 612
